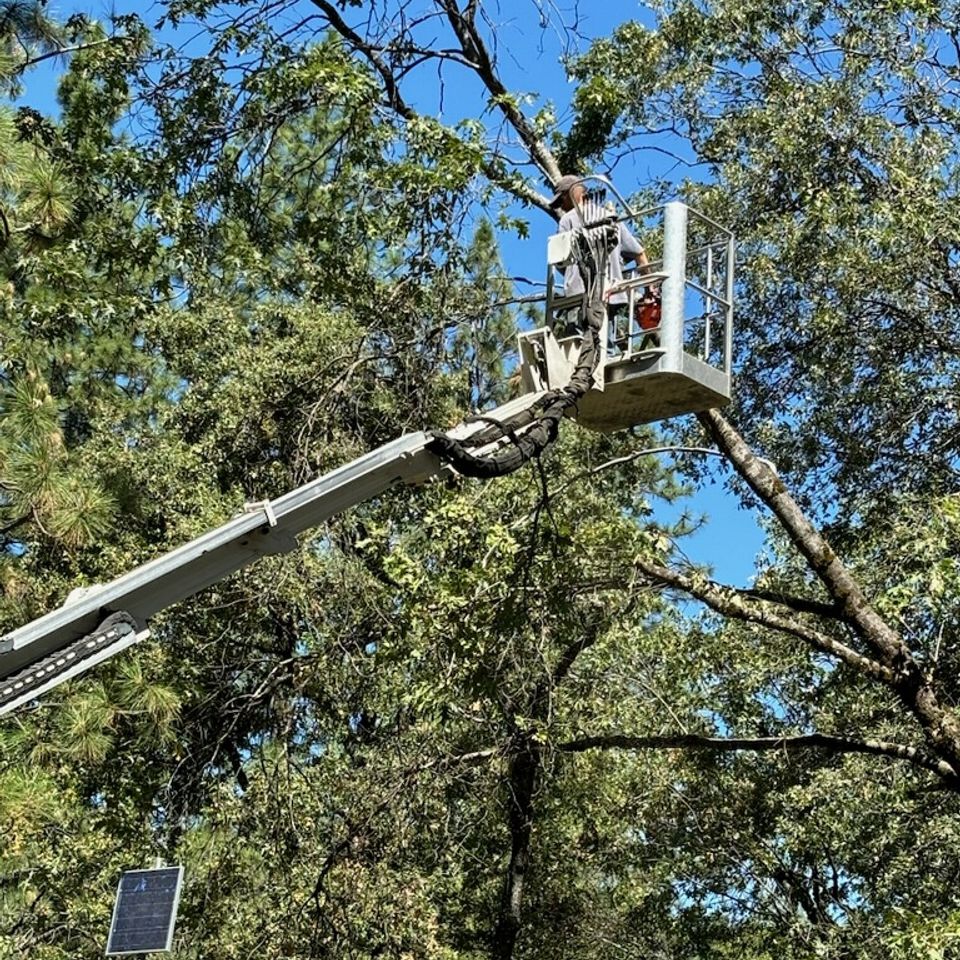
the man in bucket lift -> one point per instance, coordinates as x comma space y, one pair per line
571, 196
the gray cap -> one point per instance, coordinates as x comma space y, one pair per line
562, 186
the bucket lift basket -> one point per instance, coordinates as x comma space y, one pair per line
681, 365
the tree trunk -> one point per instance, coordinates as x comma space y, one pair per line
524, 775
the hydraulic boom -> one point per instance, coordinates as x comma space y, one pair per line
648, 374
97, 622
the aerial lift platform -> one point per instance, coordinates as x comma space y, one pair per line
681, 365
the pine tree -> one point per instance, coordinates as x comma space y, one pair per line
27, 32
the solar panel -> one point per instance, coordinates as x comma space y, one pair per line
145, 912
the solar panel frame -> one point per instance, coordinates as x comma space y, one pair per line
159, 939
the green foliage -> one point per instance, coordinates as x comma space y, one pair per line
477, 347
336, 742
26, 30
73, 354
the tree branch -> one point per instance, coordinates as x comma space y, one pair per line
14, 524
394, 97
798, 604
727, 601
63, 51
840, 583
399, 105
569, 656
813, 741
475, 50
942, 729
472, 759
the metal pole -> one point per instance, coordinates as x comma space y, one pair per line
550, 295
728, 310
674, 286
708, 305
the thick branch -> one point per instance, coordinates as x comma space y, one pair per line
569, 656
522, 784
812, 741
912, 687
834, 575
464, 26
728, 602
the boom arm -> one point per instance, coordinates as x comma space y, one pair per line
73, 638
105, 619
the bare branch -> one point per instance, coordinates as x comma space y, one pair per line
628, 458
512, 301
472, 759
813, 741
727, 601
63, 51
908, 681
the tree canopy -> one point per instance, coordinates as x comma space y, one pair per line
481, 720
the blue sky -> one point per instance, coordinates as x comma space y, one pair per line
530, 62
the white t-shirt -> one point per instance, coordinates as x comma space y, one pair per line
590, 212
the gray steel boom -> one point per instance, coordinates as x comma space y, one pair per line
97, 622
88, 629
655, 377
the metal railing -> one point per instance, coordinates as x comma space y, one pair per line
688, 280
708, 290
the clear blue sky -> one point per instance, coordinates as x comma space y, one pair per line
530, 62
